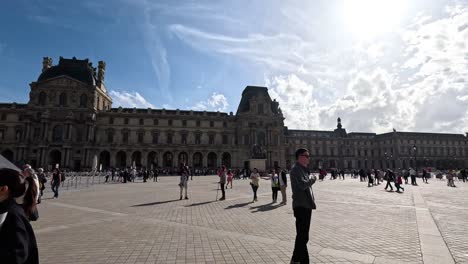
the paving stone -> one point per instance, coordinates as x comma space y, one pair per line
147, 223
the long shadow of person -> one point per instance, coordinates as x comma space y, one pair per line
237, 205
155, 203
264, 207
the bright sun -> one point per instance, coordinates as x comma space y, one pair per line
372, 17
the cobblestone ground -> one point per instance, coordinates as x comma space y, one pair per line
147, 223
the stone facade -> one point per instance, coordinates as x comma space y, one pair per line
69, 121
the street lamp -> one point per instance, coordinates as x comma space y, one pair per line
415, 160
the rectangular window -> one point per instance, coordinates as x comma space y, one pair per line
126, 121
211, 123
110, 137
155, 122
37, 132
198, 123
125, 137
184, 123
225, 139
197, 139
184, 138
2, 134
169, 138
142, 121
111, 120
155, 138
169, 122
140, 137
260, 109
4, 117
246, 140
211, 139
224, 124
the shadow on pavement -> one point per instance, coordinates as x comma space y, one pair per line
264, 208
237, 205
197, 204
155, 203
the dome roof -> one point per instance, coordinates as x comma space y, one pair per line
80, 70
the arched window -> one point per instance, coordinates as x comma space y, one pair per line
63, 99
83, 100
42, 98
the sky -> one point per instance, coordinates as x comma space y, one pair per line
377, 64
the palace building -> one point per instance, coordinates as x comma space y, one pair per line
69, 120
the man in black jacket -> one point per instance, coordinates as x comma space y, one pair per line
303, 204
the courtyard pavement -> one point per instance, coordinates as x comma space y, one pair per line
147, 223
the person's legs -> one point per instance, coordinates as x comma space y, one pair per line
186, 189
300, 253
283, 194
223, 192
181, 189
255, 188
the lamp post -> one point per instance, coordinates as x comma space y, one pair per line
415, 159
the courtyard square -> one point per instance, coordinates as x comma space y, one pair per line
147, 223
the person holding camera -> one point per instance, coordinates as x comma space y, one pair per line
303, 203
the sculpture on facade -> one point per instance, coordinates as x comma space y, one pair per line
46, 63
258, 152
101, 70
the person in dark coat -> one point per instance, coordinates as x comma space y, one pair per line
17, 239
303, 203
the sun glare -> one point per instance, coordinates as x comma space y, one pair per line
372, 17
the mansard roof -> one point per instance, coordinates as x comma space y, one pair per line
81, 70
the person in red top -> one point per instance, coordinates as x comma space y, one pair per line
398, 183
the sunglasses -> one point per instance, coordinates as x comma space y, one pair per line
307, 156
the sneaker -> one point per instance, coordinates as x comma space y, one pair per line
180, 198
186, 198
222, 199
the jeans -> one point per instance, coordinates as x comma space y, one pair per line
389, 184
274, 193
303, 217
55, 189
254, 189
398, 187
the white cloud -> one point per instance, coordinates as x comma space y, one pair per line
216, 102
129, 99
296, 101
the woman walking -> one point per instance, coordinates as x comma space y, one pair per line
230, 176
283, 180
398, 183
254, 179
275, 186
17, 239
184, 176
222, 181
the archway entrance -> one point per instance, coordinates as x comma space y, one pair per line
136, 159
226, 159
152, 161
104, 160
167, 159
55, 158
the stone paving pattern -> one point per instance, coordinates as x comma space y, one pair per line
146, 223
